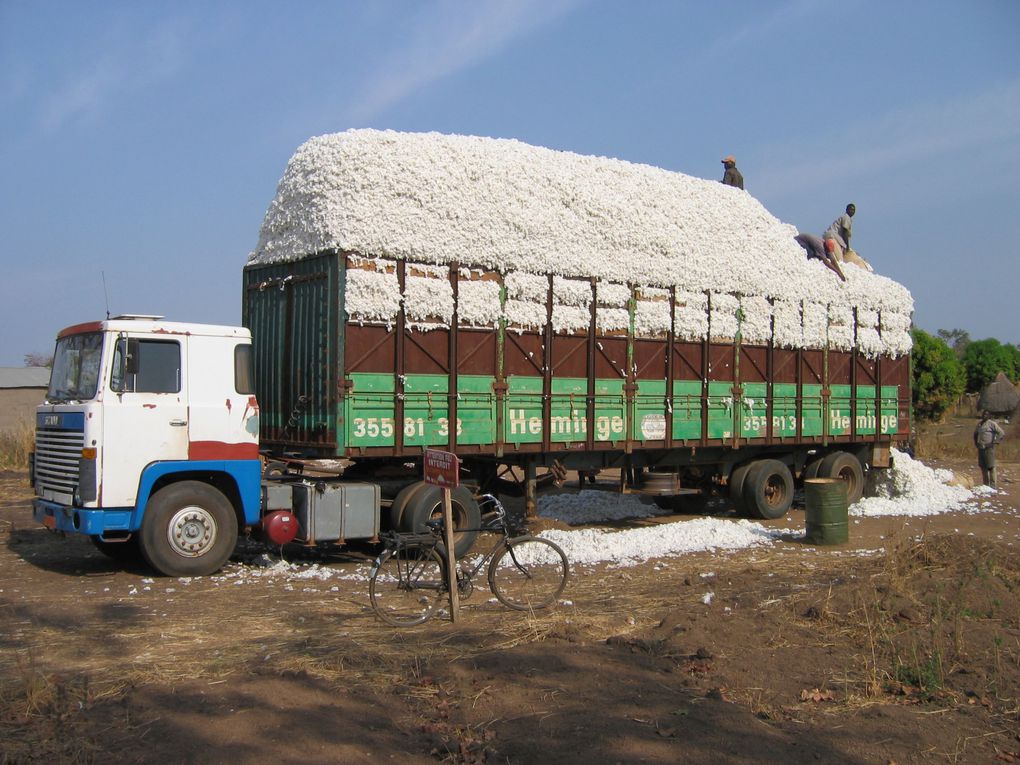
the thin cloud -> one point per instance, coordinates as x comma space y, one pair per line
116, 73
901, 138
449, 39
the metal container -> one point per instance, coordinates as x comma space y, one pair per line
336, 512
827, 511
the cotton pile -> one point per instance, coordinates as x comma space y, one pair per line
500, 206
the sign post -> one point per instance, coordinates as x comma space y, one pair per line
442, 469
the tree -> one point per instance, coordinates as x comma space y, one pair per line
957, 339
39, 360
939, 377
984, 359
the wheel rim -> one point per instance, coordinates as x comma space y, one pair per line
191, 531
847, 474
775, 491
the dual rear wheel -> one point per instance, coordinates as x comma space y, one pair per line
764, 488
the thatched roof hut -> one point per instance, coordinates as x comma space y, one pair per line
1000, 397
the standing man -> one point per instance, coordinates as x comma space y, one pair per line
837, 235
986, 435
732, 176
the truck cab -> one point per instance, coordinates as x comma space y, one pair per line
147, 441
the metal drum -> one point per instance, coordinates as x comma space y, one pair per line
826, 511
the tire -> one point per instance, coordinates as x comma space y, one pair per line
128, 552
768, 489
407, 585
399, 506
427, 505
811, 469
189, 529
528, 573
846, 467
736, 483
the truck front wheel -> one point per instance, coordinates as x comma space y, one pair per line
189, 529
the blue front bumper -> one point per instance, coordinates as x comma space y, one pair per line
80, 520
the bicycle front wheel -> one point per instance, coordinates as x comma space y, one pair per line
528, 573
407, 585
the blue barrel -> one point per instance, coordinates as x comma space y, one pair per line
827, 511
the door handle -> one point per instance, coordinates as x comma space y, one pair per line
178, 423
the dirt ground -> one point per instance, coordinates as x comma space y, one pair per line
902, 646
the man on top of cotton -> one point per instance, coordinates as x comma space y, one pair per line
837, 235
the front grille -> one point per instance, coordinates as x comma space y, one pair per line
57, 453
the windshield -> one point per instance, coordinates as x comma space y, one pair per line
75, 375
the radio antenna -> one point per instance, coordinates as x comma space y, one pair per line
106, 295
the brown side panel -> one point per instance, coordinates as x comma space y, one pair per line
427, 352
840, 363
812, 367
370, 349
867, 371
611, 358
688, 361
650, 359
569, 356
476, 352
785, 366
523, 354
753, 364
720, 361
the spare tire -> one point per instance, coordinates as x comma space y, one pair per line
427, 504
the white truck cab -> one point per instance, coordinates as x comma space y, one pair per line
148, 440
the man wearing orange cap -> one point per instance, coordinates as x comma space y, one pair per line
732, 176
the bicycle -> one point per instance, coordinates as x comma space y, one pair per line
409, 580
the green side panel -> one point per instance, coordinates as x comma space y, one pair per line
866, 411
720, 410
476, 410
368, 411
754, 410
811, 413
426, 410
784, 410
611, 410
568, 414
686, 410
840, 422
522, 420
889, 421
650, 411
293, 311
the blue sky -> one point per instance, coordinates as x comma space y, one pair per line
143, 140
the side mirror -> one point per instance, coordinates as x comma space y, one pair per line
125, 364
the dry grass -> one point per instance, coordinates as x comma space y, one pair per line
953, 438
15, 445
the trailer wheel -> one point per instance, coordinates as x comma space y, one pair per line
736, 483
427, 505
189, 529
811, 469
768, 489
846, 467
399, 506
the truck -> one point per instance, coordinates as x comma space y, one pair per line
358, 352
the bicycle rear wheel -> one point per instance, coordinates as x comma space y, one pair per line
528, 573
407, 585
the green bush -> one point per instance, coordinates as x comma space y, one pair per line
939, 377
984, 359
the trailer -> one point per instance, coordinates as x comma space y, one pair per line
532, 312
